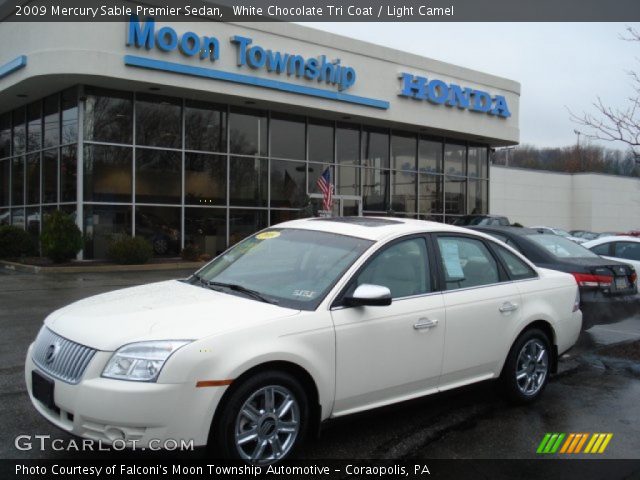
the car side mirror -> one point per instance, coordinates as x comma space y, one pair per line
369, 295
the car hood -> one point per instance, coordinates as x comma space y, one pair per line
158, 311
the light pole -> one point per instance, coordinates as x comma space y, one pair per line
578, 133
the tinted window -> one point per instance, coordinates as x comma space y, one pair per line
518, 269
69, 103
158, 176
429, 156
628, 250
5, 135
205, 179
108, 116
34, 126
50, 176
403, 152
454, 159
158, 121
288, 184
287, 136
375, 148
248, 132
205, 127
51, 121
348, 144
107, 173
403, 268
248, 183
467, 263
602, 249
320, 141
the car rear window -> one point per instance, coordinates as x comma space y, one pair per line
561, 247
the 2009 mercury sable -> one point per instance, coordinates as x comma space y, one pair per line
304, 321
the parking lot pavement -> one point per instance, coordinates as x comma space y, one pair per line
473, 422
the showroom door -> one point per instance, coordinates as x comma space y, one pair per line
389, 353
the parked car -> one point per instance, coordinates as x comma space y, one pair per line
623, 248
634, 233
607, 234
560, 232
304, 321
607, 287
482, 220
583, 234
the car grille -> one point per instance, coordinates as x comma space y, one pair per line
61, 358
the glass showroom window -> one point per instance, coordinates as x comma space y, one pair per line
101, 224
375, 190
158, 176
161, 226
429, 156
455, 159
287, 136
68, 173
430, 196
69, 105
248, 132
34, 126
107, 173
17, 181
205, 127
403, 152
454, 196
478, 196
478, 166
243, 222
375, 148
248, 181
404, 192
205, 179
206, 229
51, 111
33, 179
5, 135
19, 136
288, 180
5, 185
158, 121
108, 116
50, 176
320, 141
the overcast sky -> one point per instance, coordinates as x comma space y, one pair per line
559, 65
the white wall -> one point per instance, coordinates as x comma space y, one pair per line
570, 201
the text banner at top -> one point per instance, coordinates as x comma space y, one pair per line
323, 10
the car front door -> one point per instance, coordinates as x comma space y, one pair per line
388, 353
483, 309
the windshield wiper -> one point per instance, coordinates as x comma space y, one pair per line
239, 288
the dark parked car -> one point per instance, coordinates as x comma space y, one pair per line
607, 288
469, 220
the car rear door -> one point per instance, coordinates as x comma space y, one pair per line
482, 307
389, 353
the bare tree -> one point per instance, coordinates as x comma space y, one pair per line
617, 124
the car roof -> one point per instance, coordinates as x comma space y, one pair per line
370, 228
611, 238
522, 231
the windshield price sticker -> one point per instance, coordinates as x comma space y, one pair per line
267, 235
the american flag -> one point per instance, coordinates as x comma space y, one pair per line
325, 186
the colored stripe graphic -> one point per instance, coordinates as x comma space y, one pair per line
550, 443
572, 443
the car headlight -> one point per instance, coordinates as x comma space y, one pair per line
141, 361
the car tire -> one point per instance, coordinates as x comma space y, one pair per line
526, 371
263, 420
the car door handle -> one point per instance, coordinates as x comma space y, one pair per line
508, 307
424, 323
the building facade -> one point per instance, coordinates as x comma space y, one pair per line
202, 133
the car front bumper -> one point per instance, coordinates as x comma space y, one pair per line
143, 414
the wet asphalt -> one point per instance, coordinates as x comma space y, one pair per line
591, 393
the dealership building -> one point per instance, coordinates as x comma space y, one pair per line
200, 133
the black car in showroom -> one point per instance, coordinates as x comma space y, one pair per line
608, 289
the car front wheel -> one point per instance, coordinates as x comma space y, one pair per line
263, 419
526, 371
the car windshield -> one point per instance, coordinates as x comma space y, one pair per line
561, 247
293, 268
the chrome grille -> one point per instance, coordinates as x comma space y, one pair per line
61, 358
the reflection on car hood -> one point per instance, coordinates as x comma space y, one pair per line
165, 310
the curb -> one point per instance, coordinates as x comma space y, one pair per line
35, 269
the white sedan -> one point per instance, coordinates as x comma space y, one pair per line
304, 321
622, 248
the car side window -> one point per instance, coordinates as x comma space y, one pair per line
628, 250
402, 267
518, 269
467, 263
602, 249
